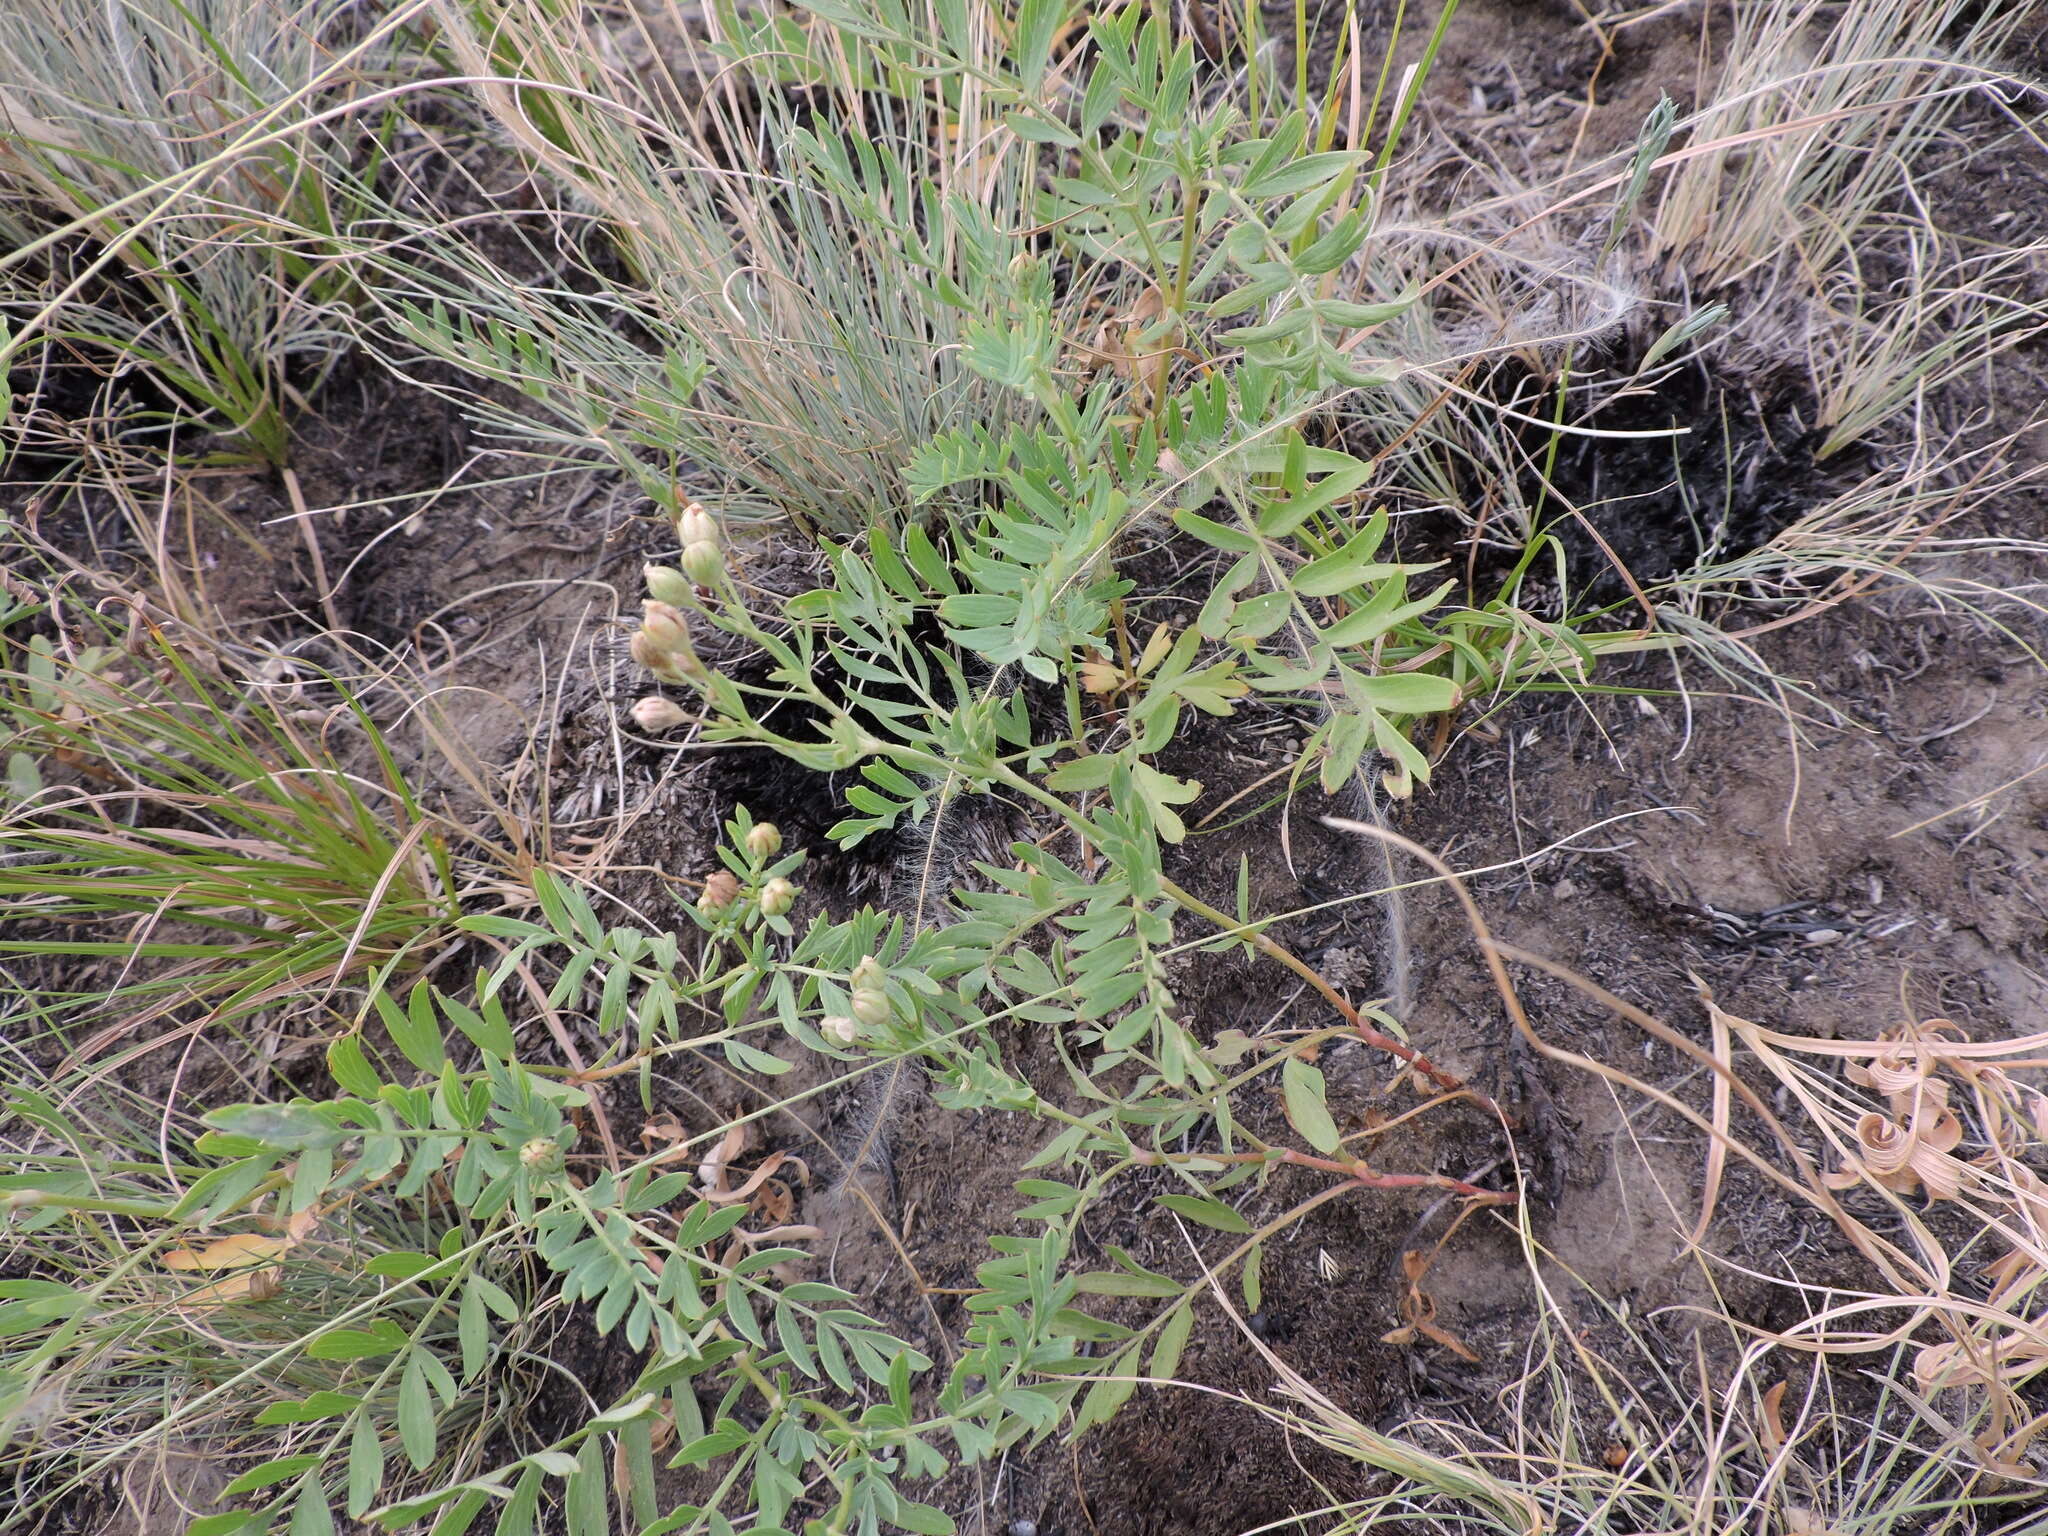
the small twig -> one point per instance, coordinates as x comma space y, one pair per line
312, 541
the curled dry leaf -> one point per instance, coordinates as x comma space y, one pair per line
1905, 1077
1904, 1159
1418, 1311
1997, 1340
1771, 1421
775, 1202
711, 1172
2016, 1354
723, 1196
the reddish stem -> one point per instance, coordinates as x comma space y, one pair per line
1449, 1082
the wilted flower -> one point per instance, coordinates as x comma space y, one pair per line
764, 840
721, 889
777, 897
839, 1029
655, 715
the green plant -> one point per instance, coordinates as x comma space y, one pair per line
234, 843
160, 217
490, 1152
976, 300
824, 291
177, 1300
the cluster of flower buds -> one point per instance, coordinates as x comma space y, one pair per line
663, 644
703, 561
871, 1004
542, 1158
764, 840
777, 897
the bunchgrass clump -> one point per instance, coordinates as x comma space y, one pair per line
225, 835
175, 181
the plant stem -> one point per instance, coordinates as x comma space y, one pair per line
1378, 1039
1354, 1169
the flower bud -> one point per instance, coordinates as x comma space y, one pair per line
669, 668
839, 1029
656, 715
702, 562
667, 584
777, 897
764, 840
871, 1006
868, 974
721, 889
696, 526
665, 628
542, 1157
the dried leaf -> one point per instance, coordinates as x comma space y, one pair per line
1772, 1421
239, 1251
1418, 1307
720, 1195
1717, 1144
711, 1172
1100, 677
249, 1256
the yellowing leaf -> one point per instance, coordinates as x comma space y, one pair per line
1155, 650
249, 1256
240, 1251
1100, 677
